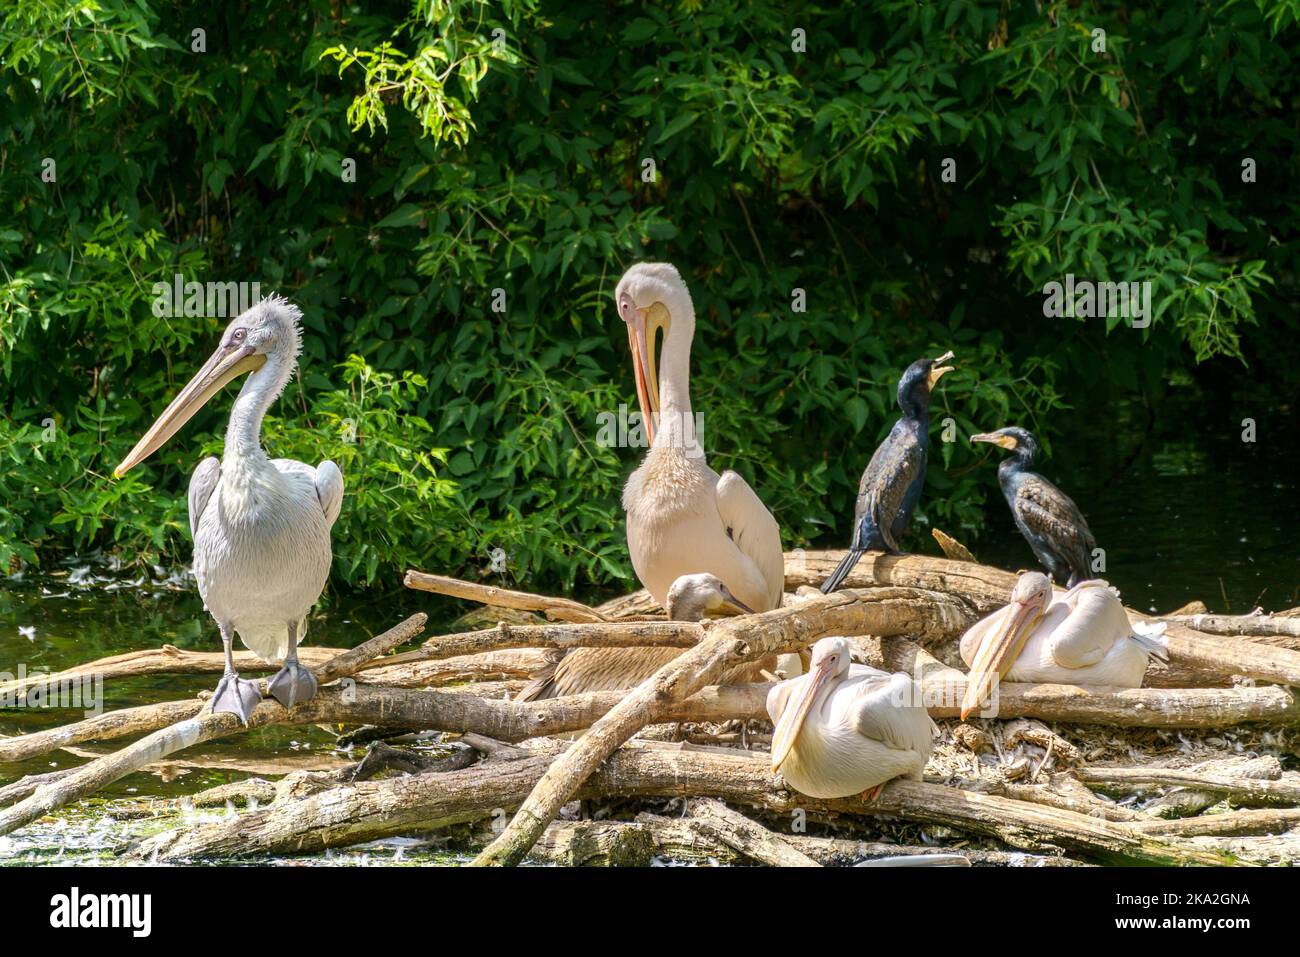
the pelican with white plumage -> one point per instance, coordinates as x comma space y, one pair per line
261, 526
684, 520
683, 517
845, 728
1080, 637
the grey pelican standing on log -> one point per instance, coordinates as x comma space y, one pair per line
261, 526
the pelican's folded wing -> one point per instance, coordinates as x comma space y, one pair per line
889, 710
202, 482
1095, 622
755, 532
329, 489
325, 478
778, 697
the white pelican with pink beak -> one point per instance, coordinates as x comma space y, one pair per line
1079, 637
845, 729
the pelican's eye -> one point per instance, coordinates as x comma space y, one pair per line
238, 335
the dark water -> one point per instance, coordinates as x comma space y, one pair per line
1185, 509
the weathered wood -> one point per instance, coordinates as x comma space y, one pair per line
562, 609
370, 810
1240, 790
1251, 626
751, 839
153, 747
466, 709
595, 844
1252, 821
622, 634
677, 838
157, 661
725, 645
952, 549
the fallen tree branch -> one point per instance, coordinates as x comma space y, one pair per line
1253, 821
465, 709
157, 661
563, 609
618, 634
104, 771
883, 612
1252, 626
370, 810
738, 832
1241, 790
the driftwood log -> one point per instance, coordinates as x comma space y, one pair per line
104, 771
906, 602
370, 810
726, 644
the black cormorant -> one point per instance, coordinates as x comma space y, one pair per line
892, 482
1050, 521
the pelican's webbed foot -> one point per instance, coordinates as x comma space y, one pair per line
236, 696
293, 684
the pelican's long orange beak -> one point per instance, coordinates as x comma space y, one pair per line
225, 364
997, 653
792, 719
641, 331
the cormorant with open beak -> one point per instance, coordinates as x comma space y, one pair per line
1048, 518
892, 482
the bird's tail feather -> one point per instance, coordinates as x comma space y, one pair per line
841, 571
1151, 639
541, 683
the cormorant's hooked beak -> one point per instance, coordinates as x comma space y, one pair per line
225, 364
732, 604
998, 652
641, 330
938, 370
1005, 441
787, 729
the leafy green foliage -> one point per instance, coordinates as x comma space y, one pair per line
500, 146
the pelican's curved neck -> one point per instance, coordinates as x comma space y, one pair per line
676, 420
244, 430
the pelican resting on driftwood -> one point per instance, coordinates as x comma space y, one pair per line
1048, 518
691, 598
1082, 636
892, 481
261, 526
846, 729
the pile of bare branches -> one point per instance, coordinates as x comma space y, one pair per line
1052, 780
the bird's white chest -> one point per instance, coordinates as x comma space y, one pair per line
262, 549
